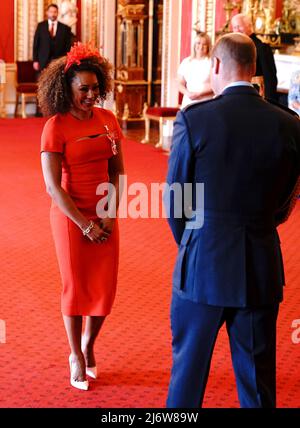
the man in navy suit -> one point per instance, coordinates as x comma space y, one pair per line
52, 39
246, 152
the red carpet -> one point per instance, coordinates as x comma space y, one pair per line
134, 349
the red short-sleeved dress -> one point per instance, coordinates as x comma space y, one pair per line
88, 269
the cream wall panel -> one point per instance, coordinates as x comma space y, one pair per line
171, 52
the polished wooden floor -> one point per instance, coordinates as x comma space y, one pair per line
136, 132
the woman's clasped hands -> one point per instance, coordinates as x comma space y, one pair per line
100, 232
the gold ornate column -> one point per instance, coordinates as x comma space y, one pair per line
27, 15
166, 52
98, 26
206, 10
92, 16
270, 15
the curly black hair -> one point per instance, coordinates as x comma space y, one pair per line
54, 85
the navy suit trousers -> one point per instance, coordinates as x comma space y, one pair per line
252, 336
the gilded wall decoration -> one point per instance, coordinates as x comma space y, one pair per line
91, 16
204, 20
166, 51
27, 15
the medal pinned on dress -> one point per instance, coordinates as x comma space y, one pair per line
112, 136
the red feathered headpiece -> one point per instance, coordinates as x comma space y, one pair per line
80, 51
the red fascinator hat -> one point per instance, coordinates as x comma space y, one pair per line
81, 51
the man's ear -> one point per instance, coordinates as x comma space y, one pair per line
215, 65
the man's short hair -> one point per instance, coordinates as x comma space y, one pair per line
52, 5
236, 48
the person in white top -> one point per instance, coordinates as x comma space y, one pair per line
194, 72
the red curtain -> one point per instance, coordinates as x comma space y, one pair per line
186, 28
278, 10
220, 15
78, 23
7, 30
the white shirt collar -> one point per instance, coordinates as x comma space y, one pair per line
50, 22
238, 83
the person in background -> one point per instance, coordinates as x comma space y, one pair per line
245, 153
193, 72
294, 92
52, 39
80, 150
265, 64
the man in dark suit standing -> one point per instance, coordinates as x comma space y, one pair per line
246, 152
52, 39
265, 64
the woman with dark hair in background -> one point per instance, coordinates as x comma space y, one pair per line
80, 150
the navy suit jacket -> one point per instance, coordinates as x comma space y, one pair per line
246, 151
43, 51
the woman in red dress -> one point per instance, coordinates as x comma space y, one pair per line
81, 150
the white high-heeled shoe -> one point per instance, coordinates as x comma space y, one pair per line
83, 385
91, 372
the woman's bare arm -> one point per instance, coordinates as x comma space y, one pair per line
52, 170
193, 95
115, 170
